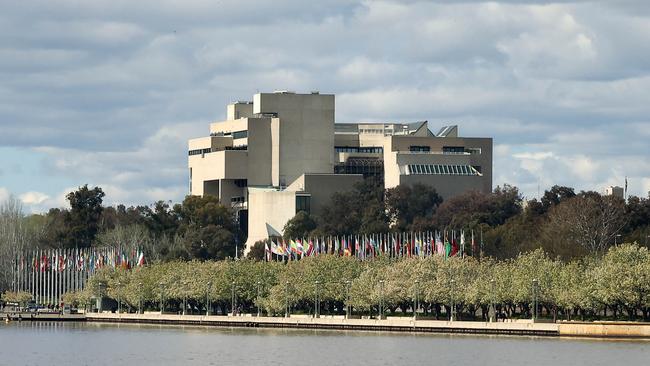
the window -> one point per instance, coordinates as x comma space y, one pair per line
453, 150
473, 150
303, 203
419, 148
240, 134
199, 151
354, 149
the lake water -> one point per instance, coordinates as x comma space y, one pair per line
48, 343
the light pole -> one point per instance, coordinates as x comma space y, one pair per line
616, 239
119, 302
140, 298
348, 306
99, 304
232, 300
381, 299
646, 240
535, 290
162, 304
493, 305
259, 284
286, 299
453, 305
184, 297
207, 298
415, 300
316, 300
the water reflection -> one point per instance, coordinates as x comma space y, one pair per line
74, 343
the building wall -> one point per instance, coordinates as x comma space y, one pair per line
306, 132
227, 164
259, 152
239, 110
268, 207
321, 187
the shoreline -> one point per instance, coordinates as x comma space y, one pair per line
594, 330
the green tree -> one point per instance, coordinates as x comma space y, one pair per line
407, 204
299, 226
82, 221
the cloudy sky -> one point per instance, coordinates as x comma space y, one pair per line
106, 92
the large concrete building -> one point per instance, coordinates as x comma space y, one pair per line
282, 153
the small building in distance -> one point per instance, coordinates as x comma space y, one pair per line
283, 152
615, 191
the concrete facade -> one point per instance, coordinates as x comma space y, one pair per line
283, 152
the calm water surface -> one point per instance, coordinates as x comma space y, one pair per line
46, 343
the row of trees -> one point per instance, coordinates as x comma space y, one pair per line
616, 285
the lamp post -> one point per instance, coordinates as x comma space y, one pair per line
286, 299
381, 299
232, 299
207, 298
184, 297
259, 284
348, 307
99, 304
119, 302
453, 305
616, 239
162, 304
646, 240
140, 298
316, 300
415, 300
535, 290
493, 306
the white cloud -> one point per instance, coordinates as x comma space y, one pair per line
4, 194
33, 198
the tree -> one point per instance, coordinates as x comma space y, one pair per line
405, 204
258, 250
299, 226
82, 221
208, 228
590, 221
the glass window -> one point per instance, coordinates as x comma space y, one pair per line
239, 134
303, 203
445, 169
427, 168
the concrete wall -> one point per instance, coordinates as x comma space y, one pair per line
227, 164
268, 206
321, 187
306, 130
239, 110
259, 152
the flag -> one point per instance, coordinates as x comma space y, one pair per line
141, 259
462, 243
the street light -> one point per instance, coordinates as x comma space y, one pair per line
348, 306
453, 305
259, 284
615, 238
415, 300
119, 302
232, 300
184, 297
140, 298
99, 305
207, 298
535, 290
316, 300
162, 304
493, 305
286, 299
381, 298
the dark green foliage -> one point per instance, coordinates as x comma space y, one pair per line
258, 250
409, 205
299, 226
